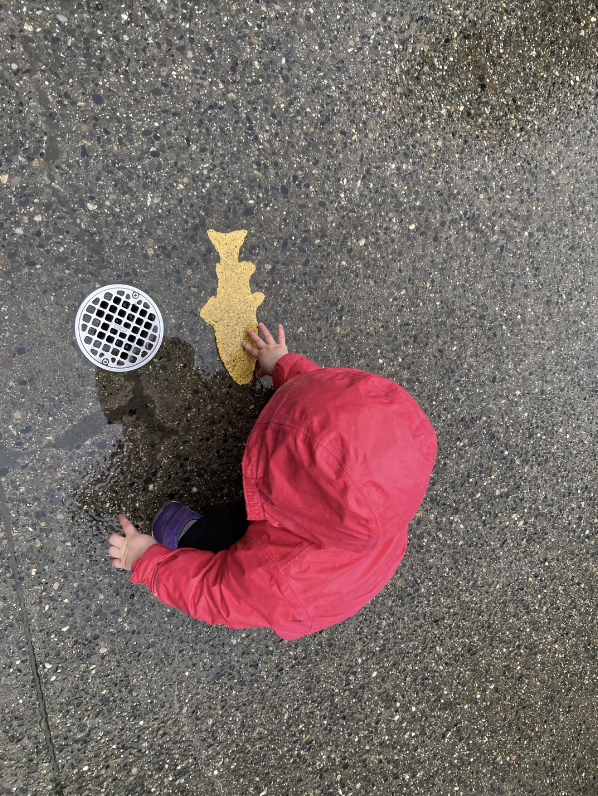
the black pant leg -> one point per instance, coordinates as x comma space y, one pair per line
217, 530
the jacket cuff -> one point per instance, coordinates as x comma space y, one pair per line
145, 568
282, 368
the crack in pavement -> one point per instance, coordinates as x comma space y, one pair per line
5, 517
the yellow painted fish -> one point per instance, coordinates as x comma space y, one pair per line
234, 307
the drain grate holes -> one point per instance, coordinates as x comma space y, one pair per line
119, 328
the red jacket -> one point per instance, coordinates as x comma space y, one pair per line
334, 469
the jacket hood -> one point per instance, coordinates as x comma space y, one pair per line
340, 457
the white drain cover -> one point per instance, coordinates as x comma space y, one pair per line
119, 328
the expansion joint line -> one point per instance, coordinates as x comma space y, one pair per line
6, 522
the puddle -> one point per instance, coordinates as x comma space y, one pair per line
509, 67
183, 434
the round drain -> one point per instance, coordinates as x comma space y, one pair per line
119, 328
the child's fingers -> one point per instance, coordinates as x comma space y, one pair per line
115, 539
256, 338
266, 332
126, 525
116, 562
115, 553
281, 338
260, 374
253, 351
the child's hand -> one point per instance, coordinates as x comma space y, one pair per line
125, 550
267, 351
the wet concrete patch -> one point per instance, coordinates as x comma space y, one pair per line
89, 426
183, 437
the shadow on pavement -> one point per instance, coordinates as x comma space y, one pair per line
183, 437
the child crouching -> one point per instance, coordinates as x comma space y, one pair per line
334, 469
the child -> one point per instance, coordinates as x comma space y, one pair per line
336, 466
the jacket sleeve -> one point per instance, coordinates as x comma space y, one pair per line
238, 587
291, 365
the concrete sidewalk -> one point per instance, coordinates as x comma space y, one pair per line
419, 190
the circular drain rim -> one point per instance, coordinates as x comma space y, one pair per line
106, 360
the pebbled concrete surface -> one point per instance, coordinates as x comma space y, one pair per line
419, 193
24, 757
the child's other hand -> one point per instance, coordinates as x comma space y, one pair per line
267, 351
125, 550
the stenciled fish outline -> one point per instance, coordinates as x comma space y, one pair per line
234, 307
